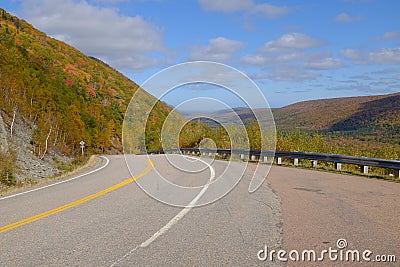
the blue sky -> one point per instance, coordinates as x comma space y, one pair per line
293, 50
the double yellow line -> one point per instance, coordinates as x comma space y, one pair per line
77, 202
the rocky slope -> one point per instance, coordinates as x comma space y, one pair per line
28, 167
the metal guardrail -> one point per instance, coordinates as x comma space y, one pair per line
364, 162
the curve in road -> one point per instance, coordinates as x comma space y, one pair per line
74, 203
177, 218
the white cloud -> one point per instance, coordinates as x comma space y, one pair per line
388, 36
288, 58
385, 71
219, 49
289, 67
344, 17
121, 41
325, 64
374, 87
352, 54
270, 11
248, 6
258, 76
364, 77
383, 56
353, 87
388, 81
292, 73
256, 60
292, 41
226, 6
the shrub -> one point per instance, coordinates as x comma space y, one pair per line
7, 167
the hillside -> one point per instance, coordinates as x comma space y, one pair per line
341, 114
52, 96
379, 117
369, 115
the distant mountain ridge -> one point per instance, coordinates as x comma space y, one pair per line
339, 114
370, 115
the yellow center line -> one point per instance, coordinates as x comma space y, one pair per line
77, 202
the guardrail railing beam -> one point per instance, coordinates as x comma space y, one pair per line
263, 155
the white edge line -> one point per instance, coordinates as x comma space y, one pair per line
174, 220
60, 182
183, 212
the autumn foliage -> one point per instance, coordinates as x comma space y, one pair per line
64, 95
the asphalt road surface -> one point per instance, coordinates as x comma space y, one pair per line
105, 219
321, 208
117, 228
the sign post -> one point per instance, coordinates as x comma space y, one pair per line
82, 146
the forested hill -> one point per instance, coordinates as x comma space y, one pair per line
52, 96
366, 115
62, 94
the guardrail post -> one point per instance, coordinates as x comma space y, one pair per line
265, 159
338, 166
242, 156
296, 162
314, 163
364, 169
397, 173
253, 158
279, 161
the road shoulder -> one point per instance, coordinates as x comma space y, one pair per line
319, 208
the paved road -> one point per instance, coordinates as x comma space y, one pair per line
320, 208
105, 219
116, 226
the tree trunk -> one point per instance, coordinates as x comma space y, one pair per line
12, 124
56, 138
46, 143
